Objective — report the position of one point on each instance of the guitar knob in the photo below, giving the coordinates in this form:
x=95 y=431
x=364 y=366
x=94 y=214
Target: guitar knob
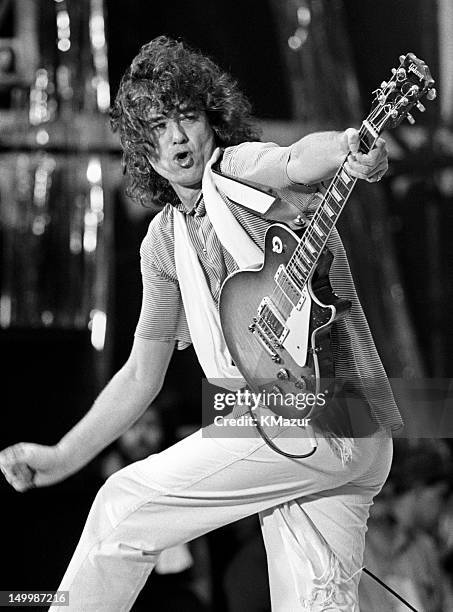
x=432 y=94
x=283 y=374
x=299 y=220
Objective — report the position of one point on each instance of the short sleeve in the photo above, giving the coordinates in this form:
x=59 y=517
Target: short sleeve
x=261 y=162
x=162 y=315
x=266 y=163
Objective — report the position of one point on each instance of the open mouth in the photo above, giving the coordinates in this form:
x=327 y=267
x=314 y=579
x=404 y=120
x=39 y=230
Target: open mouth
x=184 y=159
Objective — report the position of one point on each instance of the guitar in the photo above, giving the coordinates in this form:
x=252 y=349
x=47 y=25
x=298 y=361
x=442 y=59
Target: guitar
x=277 y=320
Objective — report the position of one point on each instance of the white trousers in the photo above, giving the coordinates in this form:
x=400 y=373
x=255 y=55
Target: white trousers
x=314 y=543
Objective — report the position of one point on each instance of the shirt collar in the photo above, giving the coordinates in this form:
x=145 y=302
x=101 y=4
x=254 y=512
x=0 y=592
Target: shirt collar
x=198 y=210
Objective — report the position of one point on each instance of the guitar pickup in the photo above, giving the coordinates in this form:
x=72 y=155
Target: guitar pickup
x=292 y=285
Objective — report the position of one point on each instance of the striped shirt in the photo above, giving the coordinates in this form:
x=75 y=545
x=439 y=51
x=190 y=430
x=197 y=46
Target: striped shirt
x=162 y=315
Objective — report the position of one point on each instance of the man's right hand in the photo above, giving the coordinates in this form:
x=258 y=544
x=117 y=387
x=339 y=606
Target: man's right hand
x=119 y=405
x=27 y=465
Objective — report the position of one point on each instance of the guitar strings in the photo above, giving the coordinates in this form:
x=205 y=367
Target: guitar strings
x=318 y=217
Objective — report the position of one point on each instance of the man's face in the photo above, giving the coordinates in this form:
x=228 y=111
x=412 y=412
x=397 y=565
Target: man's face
x=184 y=142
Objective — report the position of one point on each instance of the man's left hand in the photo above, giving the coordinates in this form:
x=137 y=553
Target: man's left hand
x=368 y=166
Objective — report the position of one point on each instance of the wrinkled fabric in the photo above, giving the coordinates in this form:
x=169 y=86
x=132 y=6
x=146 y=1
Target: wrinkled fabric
x=205 y=482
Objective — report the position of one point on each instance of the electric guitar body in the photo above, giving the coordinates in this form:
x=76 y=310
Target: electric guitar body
x=280 y=339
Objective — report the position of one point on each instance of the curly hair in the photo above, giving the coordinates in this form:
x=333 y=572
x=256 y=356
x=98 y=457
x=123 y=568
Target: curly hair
x=165 y=75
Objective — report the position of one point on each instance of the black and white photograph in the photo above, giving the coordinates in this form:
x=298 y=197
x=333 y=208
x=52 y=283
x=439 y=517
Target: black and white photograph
x=225 y=283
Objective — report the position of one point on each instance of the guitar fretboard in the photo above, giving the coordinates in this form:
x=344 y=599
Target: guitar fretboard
x=306 y=255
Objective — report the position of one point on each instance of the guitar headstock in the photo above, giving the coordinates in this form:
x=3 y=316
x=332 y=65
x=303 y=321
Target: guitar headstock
x=395 y=98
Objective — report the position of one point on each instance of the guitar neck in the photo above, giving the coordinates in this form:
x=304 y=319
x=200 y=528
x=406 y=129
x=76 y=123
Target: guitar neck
x=393 y=101
x=305 y=257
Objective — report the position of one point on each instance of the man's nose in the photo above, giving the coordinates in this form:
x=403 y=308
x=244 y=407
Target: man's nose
x=178 y=134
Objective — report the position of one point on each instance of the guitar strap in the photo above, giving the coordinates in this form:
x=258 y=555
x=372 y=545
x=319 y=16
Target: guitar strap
x=202 y=314
x=229 y=231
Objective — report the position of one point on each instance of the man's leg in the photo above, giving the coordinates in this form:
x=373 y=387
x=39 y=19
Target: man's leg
x=315 y=550
x=194 y=487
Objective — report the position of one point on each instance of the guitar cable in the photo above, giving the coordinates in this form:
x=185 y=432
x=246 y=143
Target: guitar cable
x=271 y=444
x=389 y=589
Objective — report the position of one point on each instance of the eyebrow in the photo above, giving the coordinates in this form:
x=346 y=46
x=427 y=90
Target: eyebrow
x=155 y=118
x=186 y=107
x=179 y=111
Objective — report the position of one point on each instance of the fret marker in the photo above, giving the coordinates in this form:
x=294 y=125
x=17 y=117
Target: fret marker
x=336 y=194
x=303 y=268
x=298 y=266
x=318 y=230
x=345 y=177
x=329 y=210
x=310 y=247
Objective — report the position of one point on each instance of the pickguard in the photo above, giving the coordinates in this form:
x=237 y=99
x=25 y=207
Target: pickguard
x=298 y=326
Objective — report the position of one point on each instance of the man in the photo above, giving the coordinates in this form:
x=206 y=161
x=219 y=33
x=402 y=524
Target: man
x=173 y=108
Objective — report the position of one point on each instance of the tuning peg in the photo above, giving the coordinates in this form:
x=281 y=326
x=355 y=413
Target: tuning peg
x=410 y=118
x=420 y=107
x=402 y=58
x=432 y=94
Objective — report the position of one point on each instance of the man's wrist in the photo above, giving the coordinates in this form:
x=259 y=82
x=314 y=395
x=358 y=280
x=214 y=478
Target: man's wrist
x=69 y=457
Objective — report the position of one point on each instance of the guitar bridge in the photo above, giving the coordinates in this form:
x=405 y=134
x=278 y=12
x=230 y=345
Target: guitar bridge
x=269 y=315
x=266 y=343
